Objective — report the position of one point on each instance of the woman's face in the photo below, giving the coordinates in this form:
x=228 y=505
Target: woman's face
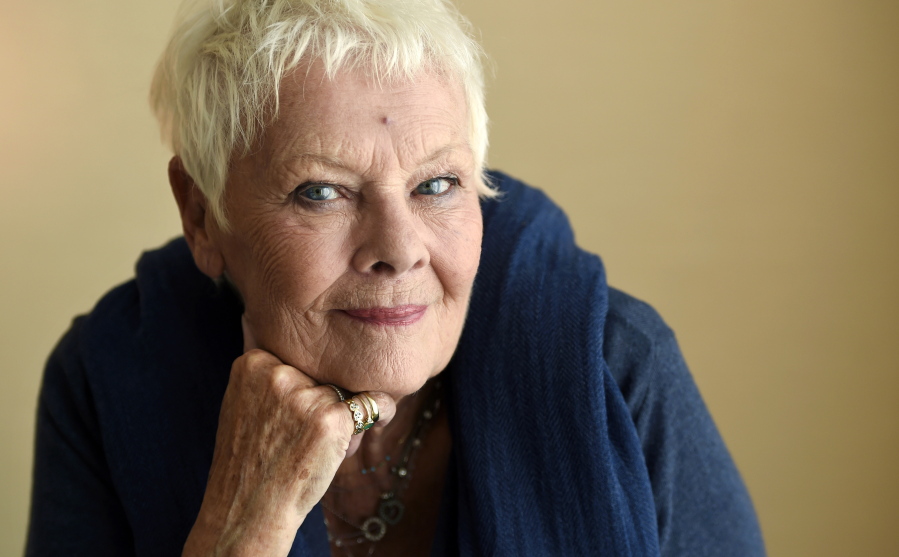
x=356 y=229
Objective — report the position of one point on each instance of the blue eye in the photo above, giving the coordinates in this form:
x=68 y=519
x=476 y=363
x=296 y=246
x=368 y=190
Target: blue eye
x=319 y=192
x=435 y=186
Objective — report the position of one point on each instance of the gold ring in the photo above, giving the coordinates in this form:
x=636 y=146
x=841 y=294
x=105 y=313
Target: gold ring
x=366 y=402
x=359 y=425
x=374 y=414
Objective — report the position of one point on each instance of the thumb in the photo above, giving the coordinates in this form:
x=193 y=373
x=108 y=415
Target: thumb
x=249 y=340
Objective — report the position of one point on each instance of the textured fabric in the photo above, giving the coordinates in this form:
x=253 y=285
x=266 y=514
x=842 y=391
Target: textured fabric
x=577 y=429
x=548 y=459
x=702 y=506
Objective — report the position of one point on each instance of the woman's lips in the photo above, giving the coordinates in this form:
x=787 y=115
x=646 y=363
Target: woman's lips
x=399 y=315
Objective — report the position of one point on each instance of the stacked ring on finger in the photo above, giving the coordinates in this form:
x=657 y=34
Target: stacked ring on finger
x=371 y=409
x=367 y=402
x=356 y=409
x=373 y=412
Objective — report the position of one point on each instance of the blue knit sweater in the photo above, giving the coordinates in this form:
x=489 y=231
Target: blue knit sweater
x=577 y=429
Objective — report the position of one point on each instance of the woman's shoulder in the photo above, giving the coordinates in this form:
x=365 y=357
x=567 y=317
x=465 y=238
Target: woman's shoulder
x=126 y=307
x=133 y=390
x=634 y=320
x=167 y=291
x=687 y=460
x=640 y=349
x=141 y=331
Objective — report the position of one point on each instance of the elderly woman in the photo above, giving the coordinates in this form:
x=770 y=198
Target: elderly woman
x=365 y=344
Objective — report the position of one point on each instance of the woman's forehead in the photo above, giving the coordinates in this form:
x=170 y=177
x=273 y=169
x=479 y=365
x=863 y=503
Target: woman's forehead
x=349 y=118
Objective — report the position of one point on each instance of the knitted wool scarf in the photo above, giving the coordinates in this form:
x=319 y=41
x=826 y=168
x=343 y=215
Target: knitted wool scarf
x=547 y=459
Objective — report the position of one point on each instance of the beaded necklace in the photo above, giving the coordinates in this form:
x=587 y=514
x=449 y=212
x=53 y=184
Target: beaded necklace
x=390 y=506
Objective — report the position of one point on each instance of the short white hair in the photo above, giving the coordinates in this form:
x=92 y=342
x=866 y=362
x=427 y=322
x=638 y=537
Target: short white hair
x=216 y=85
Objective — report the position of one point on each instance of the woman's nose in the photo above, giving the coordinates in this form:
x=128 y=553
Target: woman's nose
x=389 y=239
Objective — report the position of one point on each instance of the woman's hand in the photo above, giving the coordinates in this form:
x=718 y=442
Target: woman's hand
x=281 y=437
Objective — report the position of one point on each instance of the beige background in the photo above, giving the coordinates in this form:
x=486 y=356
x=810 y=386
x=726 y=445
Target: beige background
x=736 y=163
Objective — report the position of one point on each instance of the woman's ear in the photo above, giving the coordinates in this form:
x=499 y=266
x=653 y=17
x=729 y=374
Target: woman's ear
x=198 y=223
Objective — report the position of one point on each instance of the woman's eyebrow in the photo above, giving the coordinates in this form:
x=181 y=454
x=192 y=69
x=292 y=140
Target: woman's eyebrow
x=324 y=160
x=337 y=162
x=442 y=152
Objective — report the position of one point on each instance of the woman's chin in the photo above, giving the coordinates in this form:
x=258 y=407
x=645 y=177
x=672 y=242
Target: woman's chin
x=397 y=386
x=399 y=370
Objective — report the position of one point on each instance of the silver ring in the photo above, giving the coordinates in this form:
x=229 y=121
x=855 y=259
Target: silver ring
x=337 y=390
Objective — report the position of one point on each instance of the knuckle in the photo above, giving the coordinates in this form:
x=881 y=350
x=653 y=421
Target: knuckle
x=255 y=359
x=250 y=364
x=328 y=419
x=281 y=379
x=302 y=403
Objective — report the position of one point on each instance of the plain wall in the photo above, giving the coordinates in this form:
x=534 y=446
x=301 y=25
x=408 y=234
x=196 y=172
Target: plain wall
x=735 y=163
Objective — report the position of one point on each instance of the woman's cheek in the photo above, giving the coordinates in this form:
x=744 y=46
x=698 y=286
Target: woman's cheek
x=463 y=253
x=302 y=258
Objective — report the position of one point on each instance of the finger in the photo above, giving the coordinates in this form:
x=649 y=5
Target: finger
x=355 y=443
x=386 y=407
x=386 y=410
x=385 y=403
x=249 y=340
x=266 y=371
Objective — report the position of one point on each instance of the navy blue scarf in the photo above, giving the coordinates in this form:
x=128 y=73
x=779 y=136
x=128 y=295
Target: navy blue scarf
x=548 y=461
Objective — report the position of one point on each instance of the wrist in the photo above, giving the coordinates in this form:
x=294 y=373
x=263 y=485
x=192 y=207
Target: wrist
x=213 y=534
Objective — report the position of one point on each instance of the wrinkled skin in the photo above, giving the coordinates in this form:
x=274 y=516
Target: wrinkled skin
x=359 y=196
